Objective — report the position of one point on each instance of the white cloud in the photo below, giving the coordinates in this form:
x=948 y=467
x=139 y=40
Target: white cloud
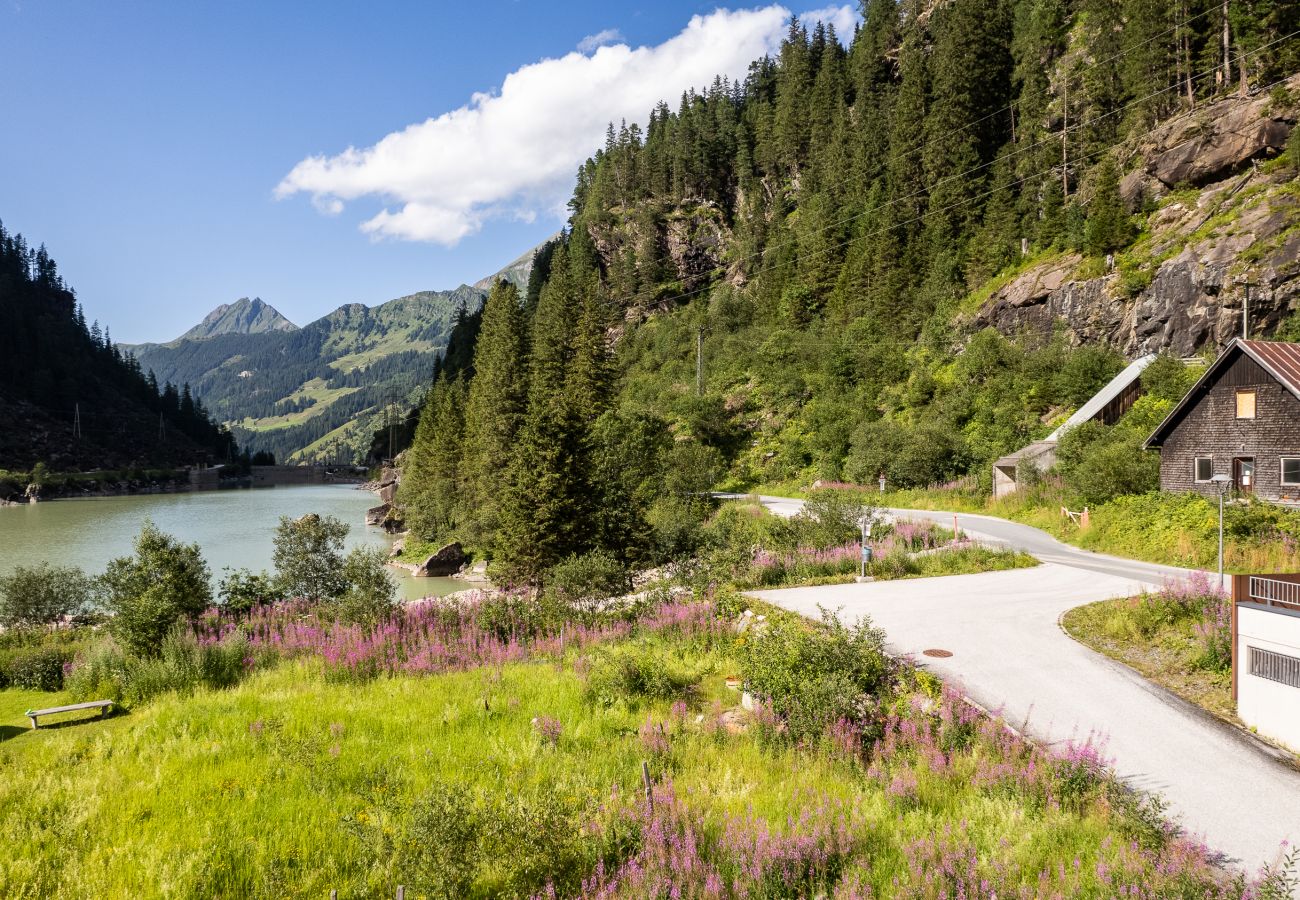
x=844 y=18
x=513 y=153
x=600 y=39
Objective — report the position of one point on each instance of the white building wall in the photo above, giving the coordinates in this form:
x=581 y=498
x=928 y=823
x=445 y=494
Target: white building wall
x=1272 y=708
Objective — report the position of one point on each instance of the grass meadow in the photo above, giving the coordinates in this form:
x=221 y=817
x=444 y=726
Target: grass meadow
x=513 y=767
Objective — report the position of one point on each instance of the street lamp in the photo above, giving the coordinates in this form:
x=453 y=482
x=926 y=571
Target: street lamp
x=1222 y=483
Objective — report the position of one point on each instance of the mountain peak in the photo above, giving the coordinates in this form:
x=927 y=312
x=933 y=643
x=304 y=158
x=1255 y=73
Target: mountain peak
x=244 y=316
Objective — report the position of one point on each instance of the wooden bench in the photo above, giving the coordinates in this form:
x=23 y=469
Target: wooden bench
x=105 y=706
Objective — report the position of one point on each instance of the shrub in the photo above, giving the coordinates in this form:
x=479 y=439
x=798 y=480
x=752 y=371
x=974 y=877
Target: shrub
x=455 y=842
x=583 y=583
x=634 y=672
x=164 y=582
x=184 y=664
x=98 y=674
x=830 y=518
x=309 y=557
x=242 y=590
x=370 y=595
x=36 y=668
x=41 y=594
x=816 y=676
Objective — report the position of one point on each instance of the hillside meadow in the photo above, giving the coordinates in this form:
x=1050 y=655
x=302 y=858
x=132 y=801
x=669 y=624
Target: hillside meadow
x=493 y=749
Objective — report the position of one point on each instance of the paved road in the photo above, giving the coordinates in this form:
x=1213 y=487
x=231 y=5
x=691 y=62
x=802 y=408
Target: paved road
x=1010 y=655
x=1032 y=540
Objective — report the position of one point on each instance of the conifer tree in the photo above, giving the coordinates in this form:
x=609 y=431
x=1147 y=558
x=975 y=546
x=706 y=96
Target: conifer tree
x=547 y=499
x=495 y=407
x=1108 y=226
x=430 y=490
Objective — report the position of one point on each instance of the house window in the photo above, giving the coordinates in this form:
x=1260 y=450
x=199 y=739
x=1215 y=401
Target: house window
x=1291 y=471
x=1204 y=468
x=1245 y=404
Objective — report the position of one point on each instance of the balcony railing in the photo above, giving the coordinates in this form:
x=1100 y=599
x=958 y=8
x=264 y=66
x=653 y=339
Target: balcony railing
x=1274 y=592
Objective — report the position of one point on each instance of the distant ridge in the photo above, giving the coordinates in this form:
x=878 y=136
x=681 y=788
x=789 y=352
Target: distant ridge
x=515 y=272
x=244 y=316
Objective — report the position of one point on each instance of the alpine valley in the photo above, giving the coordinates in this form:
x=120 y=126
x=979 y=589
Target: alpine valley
x=317 y=393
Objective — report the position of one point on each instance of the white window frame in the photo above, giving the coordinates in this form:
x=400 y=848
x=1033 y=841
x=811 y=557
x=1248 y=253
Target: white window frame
x=1254 y=403
x=1281 y=471
x=1196 y=466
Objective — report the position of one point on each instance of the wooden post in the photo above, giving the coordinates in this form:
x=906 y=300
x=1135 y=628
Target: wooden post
x=401 y=892
x=334 y=894
x=645 y=779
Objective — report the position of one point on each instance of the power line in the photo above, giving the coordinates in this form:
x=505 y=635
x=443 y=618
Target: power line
x=722 y=269
x=717 y=270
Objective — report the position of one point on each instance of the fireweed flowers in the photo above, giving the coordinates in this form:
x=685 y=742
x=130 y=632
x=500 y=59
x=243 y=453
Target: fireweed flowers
x=432 y=637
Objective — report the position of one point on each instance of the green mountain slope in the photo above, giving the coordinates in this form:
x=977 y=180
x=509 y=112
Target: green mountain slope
x=316 y=392
x=71 y=399
x=904 y=256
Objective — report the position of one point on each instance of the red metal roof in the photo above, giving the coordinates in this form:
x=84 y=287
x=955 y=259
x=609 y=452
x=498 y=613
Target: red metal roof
x=1280 y=359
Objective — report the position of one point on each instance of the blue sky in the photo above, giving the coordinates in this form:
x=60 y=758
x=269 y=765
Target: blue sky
x=174 y=156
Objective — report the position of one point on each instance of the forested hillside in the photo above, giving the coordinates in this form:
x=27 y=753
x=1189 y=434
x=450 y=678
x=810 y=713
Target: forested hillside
x=907 y=255
x=69 y=397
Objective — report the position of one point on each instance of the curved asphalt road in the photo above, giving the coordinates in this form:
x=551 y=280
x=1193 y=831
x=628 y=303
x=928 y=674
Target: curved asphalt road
x=1011 y=655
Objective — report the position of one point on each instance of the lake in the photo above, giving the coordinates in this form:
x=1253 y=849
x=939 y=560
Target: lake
x=233 y=528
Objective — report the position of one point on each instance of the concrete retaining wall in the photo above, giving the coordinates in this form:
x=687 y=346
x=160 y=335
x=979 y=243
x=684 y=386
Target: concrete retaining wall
x=1269 y=706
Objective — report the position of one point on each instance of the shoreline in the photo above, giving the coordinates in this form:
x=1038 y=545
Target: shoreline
x=82 y=486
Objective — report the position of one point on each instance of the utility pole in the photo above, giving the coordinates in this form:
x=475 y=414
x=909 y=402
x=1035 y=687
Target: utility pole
x=76 y=421
x=162 y=429
x=699 y=361
x=390 y=429
x=1245 y=314
x=1065 y=131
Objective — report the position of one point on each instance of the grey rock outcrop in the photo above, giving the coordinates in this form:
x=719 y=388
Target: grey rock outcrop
x=1180 y=290
x=447 y=560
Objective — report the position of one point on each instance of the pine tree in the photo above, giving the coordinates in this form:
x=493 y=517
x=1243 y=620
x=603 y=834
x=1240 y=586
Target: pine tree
x=546 y=503
x=430 y=489
x=494 y=409
x=1108 y=226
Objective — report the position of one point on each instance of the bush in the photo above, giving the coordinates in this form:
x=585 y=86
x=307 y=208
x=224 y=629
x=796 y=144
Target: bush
x=41 y=594
x=909 y=456
x=36 y=669
x=183 y=665
x=309 y=557
x=512 y=615
x=242 y=590
x=583 y=583
x=815 y=677
x=456 y=842
x=370 y=595
x=165 y=582
x=830 y=518
x=632 y=673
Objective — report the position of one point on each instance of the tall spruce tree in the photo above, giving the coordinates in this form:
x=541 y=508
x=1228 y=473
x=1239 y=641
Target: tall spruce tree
x=494 y=410
x=547 y=500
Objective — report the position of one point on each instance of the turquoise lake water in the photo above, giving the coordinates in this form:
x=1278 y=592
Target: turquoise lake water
x=234 y=528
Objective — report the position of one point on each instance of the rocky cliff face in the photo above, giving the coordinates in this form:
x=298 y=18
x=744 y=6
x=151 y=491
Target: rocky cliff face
x=1223 y=233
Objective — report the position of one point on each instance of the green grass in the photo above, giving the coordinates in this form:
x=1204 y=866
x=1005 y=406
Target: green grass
x=1166 y=652
x=285 y=785
x=1170 y=529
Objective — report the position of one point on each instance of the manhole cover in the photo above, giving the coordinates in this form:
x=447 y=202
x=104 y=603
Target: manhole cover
x=938 y=654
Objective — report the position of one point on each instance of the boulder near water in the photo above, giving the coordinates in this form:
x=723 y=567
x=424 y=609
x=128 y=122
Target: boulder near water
x=446 y=561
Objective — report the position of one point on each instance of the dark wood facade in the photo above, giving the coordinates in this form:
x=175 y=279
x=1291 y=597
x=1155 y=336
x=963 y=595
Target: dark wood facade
x=1210 y=424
